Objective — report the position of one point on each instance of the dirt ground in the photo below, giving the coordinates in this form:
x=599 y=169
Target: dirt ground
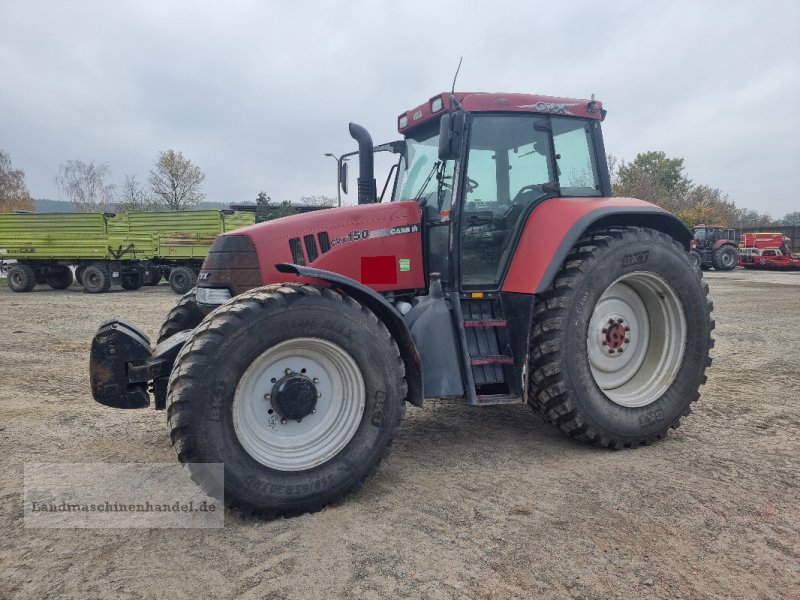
x=472 y=503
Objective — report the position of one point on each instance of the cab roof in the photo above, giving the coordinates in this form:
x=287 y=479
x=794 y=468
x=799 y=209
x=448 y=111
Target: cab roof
x=499 y=102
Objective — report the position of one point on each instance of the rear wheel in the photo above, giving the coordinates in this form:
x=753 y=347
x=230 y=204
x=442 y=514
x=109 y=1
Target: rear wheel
x=298 y=390
x=151 y=276
x=182 y=279
x=696 y=259
x=621 y=341
x=60 y=279
x=21 y=278
x=185 y=315
x=725 y=258
x=96 y=279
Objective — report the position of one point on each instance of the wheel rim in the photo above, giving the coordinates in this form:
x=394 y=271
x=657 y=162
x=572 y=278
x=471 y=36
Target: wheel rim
x=695 y=258
x=291 y=444
x=91 y=279
x=726 y=259
x=636 y=339
x=17 y=279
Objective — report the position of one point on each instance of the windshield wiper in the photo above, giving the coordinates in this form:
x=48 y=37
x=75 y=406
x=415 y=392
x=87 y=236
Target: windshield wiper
x=427 y=180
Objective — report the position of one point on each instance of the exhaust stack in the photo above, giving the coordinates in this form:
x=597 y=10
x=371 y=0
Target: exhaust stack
x=367 y=189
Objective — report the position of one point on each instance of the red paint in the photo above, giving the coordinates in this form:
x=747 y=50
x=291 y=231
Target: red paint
x=379 y=270
x=544 y=231
x=497 y=102
x=271 y=240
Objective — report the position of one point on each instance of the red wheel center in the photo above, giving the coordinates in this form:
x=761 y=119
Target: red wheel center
x=615 y=336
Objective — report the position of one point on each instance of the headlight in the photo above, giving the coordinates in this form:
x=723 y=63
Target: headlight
x=437 y=104
x=213 y=296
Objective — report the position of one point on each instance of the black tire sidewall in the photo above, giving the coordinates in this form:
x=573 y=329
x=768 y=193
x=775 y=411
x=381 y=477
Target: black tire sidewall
x=349 y=328
x=28 y=278
x=666 y=261
x=182 y=279
x=101 y=272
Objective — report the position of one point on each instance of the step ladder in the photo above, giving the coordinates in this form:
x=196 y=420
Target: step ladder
x=491 y=372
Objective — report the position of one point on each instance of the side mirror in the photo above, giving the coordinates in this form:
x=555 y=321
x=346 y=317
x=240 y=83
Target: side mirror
x=343 y=177
x=451 y=130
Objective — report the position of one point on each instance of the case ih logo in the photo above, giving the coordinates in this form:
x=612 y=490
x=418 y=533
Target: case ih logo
x=551 y=107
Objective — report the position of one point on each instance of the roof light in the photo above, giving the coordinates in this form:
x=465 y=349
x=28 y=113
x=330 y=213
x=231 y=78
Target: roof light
x=437 y=104
x=402 y=122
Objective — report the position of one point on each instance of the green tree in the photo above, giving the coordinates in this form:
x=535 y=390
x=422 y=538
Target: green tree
x=651 y=176
x=14 y=193
x=793 y=218
x=84 y=183
x=746 y=217
x=175 y=181
x=267 y=209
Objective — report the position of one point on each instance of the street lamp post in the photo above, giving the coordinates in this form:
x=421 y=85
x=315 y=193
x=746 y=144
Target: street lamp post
x=338 y=174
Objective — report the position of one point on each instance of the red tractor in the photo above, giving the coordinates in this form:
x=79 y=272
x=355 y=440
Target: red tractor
x=500 y=271
x=714 y=246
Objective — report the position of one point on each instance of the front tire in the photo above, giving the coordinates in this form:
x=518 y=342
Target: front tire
x=622 y=339
x=297 y=389
x=185 y=315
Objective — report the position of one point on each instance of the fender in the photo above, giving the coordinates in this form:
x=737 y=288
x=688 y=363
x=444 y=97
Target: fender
x=555 y=225
x=383 y=310
x=720 y=243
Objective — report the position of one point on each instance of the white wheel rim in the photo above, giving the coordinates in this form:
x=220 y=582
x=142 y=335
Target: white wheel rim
x=292 y=445
x=727 y=259
x=636 y=339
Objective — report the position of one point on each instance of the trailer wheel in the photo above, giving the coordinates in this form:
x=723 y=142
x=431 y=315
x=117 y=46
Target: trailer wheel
x=298 y=390
x=96 y=279
x=725 y=258
x=182 y=279
x=151 y=276
x=60 y=279
x=621 y=341
x=185 y=315
x=21 y=278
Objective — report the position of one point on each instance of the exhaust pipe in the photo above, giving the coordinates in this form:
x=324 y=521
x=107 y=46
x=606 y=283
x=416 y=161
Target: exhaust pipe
x=367 y=189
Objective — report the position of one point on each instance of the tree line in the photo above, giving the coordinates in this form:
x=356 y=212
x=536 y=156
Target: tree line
x=662 y=180
x=173 y=183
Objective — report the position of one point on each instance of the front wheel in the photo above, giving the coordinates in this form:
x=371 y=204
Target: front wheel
x=622 y=340
x=297 y=389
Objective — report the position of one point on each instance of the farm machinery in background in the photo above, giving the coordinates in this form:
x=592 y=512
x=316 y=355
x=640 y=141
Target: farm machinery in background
x=104 y=249
x=498 y=270
x=764 y=250
x=714 y=246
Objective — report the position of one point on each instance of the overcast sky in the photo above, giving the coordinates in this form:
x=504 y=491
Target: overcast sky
x=256 y=92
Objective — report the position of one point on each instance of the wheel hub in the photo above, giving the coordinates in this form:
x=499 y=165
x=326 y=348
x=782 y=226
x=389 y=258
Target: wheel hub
x=616 y=335
x=294 y=396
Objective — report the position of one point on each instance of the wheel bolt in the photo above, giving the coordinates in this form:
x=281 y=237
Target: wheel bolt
x=620 y=350
x=316 y=379
x=619 y=320
x=605 y=343
x=319 y=394
x=611 y=321
x=288 y=371
x=627 y=328
x=313 y=411
x=283 y=421
x=611 y=351
x=267 y=396
x=605 y=330
x=627 y=340
x=299 y=420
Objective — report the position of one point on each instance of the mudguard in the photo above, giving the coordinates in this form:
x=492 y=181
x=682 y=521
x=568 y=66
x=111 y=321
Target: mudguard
x=384 y=311
x=555 y=225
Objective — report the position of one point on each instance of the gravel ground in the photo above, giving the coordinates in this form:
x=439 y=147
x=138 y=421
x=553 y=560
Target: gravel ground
x=472 y=503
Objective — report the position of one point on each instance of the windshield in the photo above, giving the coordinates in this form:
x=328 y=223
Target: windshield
x=416 y=175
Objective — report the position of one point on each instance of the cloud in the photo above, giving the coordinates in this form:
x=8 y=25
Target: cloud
x=255 y=93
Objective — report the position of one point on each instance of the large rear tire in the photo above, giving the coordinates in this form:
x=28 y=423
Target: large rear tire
x=182 y=279
x=185 y=315
x=298 y=390
x=725 y=258
x=60 y=279
x=621 y=341
x=21 y=278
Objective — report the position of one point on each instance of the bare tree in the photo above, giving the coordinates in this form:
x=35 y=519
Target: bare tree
x=14 y=193
x=134 y=196
x=176 y=181
x=84 y=183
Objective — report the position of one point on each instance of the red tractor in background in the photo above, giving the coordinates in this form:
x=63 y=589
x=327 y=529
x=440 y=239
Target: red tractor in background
x=714 y=246
x=500 y=271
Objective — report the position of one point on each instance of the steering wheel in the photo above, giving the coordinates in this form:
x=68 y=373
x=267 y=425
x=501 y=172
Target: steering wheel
x=472 y=185
x=535 y=187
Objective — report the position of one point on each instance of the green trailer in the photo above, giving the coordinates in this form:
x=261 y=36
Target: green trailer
x=131 y=249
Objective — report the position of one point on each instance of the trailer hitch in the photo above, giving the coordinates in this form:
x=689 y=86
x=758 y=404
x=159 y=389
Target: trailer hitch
x=122 y=363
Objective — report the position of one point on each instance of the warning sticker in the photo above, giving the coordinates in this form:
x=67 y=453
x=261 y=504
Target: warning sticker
x=405 y=264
